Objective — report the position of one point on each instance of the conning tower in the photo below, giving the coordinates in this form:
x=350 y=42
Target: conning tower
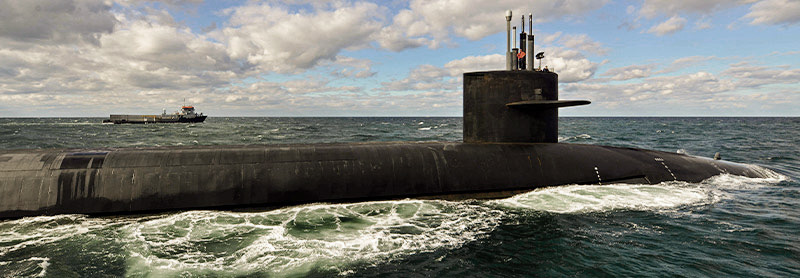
x=516 y=105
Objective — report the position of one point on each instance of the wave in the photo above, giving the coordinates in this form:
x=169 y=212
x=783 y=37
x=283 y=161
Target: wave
x=579 y=137
x=30 y=267
x=298 y=240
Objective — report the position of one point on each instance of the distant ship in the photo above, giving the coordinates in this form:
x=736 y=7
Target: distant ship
x=187 y=114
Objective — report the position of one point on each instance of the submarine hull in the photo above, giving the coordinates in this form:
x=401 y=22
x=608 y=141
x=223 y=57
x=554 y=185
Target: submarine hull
x=109 y=181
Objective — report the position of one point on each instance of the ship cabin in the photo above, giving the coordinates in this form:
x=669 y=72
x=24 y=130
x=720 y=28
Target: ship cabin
x=187 y=110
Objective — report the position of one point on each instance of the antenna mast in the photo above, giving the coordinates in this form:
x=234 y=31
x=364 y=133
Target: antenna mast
x=530 y=48
x=508 y=40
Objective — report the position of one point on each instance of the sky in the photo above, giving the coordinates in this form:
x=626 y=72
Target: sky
x=92 y=58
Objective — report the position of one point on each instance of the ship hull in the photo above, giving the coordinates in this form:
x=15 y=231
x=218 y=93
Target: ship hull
x=152 y=119
x=111 y=181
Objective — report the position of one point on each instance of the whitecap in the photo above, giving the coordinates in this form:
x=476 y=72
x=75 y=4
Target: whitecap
x=666 y=195
x=26 y=267
x=42 y=230
x=295 y=240
x=576 y=137
x=596 y=198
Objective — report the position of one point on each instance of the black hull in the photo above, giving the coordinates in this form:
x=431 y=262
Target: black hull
x=111 y=181
x=198 y=119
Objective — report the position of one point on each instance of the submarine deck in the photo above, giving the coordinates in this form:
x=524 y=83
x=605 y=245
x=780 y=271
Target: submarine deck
x=111 y=180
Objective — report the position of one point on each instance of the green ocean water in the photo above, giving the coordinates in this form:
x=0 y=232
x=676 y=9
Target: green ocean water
x=725 y=226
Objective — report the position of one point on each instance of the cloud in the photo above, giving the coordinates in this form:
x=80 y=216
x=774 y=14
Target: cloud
x=303 y=97
x=476 y=63
x=702 y=24
x=630 y=72
x=672 y=25
x=275 y=39
x=654 y=8
x=55 y=22
x=140 y=48
x=422 y=77
x=87 y=56
x=145 y=59
x=139 y=57
x=567 y=61
x=761 y=12
x=653 y=91
x=748 y=75
x=352 y=67
x=743 y=88
x=686 y=62
x=434 y=23
x=774 y=12
x=448 y=77
x=584 y=43
x=167 y=2
x=570 y=65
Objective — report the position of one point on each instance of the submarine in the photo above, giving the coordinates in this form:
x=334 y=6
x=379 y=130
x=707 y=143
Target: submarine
x=510 y=146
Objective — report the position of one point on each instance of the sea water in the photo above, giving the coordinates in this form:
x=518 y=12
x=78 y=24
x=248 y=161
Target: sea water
x=725 y=226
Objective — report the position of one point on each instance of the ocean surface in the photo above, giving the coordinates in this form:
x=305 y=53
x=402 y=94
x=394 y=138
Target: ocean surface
x=726 y=226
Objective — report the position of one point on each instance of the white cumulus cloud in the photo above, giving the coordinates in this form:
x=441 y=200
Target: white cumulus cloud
x=670 y=26
x=275 y=39
x=776 y=12
x=434 y=22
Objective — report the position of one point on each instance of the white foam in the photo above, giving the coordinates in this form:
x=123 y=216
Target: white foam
x=595 y=198
x=25 y=267
x=583 y=136
x=292 y=241
x=43 y=264
x=42 y=230
x=667 y=195
x=727 y=181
